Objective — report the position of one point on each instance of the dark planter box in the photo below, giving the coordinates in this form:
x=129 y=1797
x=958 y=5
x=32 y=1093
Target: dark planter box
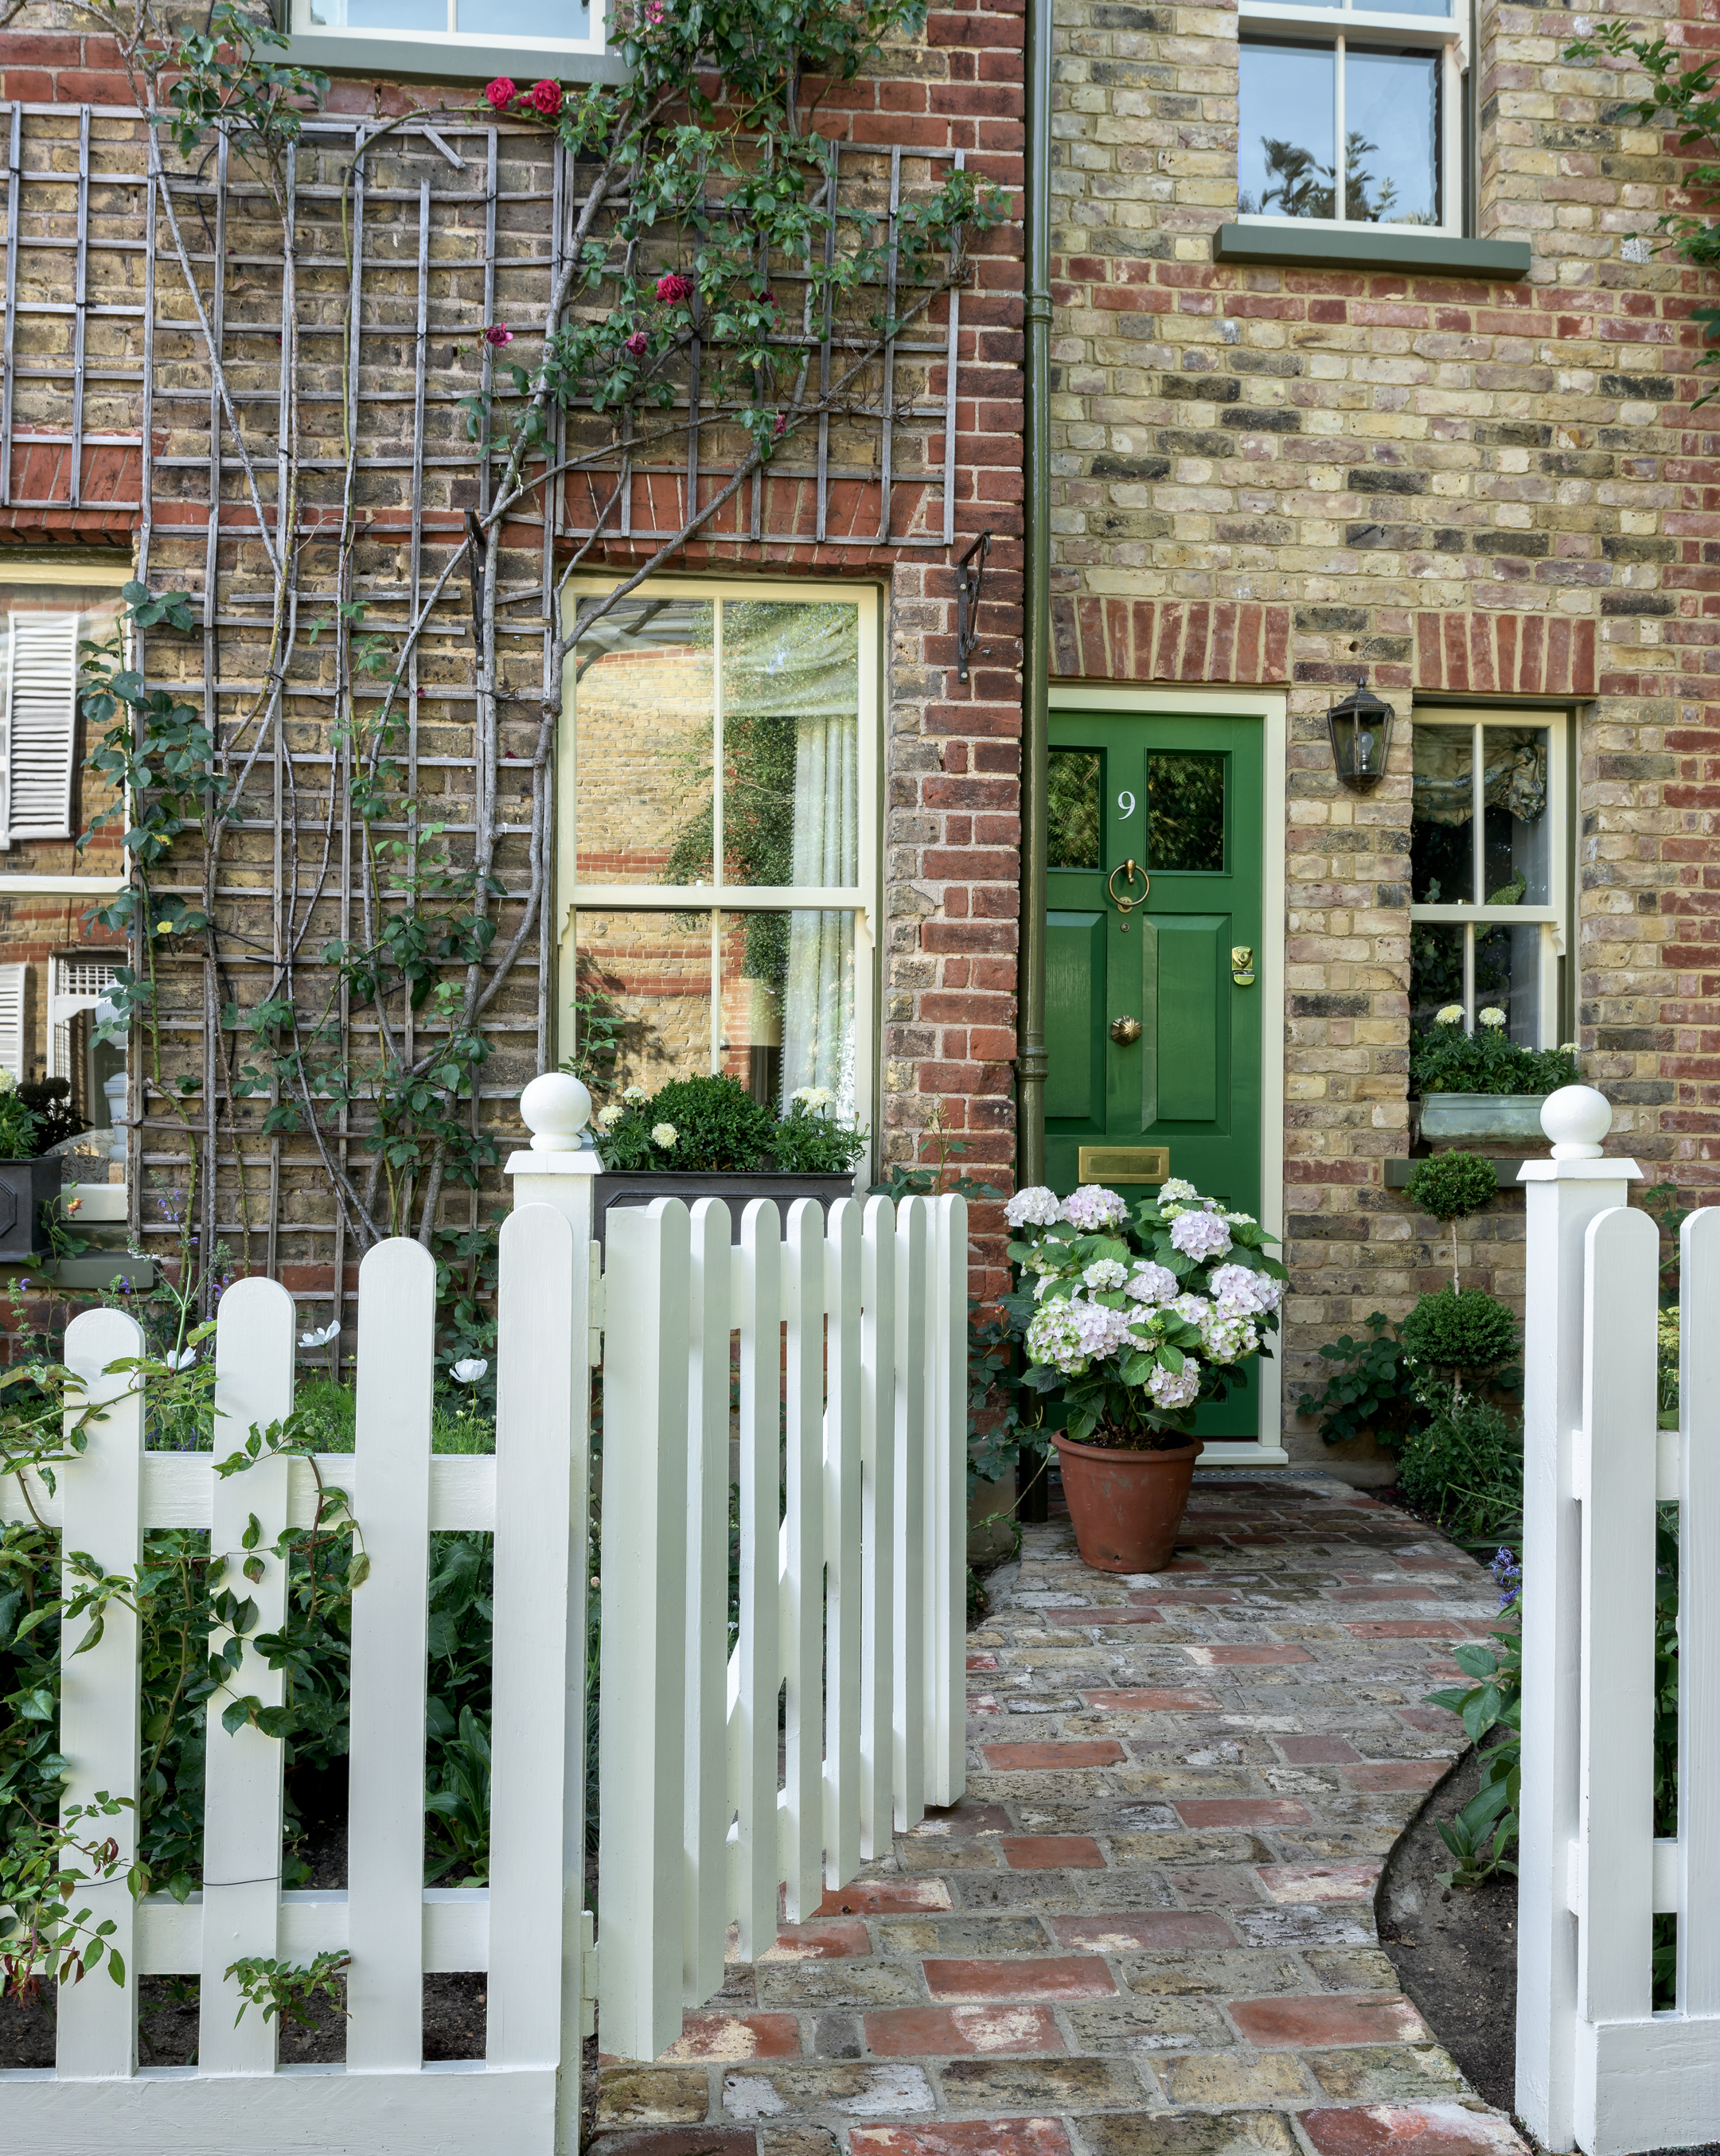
x=26 y=1186
x=639 y=1186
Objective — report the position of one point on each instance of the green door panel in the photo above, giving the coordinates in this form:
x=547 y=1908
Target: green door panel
x=1181 y=795
x=1075 y=1015
x=1191 y=1043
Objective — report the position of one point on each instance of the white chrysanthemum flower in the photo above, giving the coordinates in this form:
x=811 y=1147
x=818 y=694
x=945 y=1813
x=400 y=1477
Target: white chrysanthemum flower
x=1452 y=1014
x=633 y=1094
x=1175 y=1389
x=664 y=1135
x=1492 y=1017
x=1151 y=1283
x=608 y=1117
x=1092 y=1208
x=1104 y=1273
x=1035 y=1207
x=1199 y=1235
x=814 y=1099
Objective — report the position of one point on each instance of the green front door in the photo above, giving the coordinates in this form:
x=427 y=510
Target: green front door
x=1152 y=931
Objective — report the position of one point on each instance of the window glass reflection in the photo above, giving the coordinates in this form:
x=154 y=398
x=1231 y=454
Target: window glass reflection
x=1436 y=970
x=1516 y=826
x=1185 y=810
x=1442 y=817
x=1391 y=133
x=1072 y=808
x=1284 y=157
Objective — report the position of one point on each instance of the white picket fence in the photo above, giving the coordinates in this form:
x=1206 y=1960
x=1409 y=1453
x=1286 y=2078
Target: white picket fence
x=1598 y=2068
x=854 y=1603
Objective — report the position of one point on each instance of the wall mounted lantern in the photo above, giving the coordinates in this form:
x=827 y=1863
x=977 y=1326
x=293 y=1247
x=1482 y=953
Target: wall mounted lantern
x=1361 y=730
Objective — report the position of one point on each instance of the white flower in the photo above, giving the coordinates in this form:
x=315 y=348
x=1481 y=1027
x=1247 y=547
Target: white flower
x=8 y=1081
x=1103 y=1274
x=633 y=1094
x=814 y=1099
x=468 y=1372
x=182 y=1361
x=319 y=1336
x=1241 y=1292
x=1228 y=1339
x=1240 y=1220
x=1151 y=1283
x=1493 y=1016
x=1177 y=1191
x=1193 y=1309
x=1568 y=1047
x=1452 y=1014
x=1072 y=1335
x=608 y=1117
x=1199 y=1235
x=1175 y=1389
x=1092 y=1208
x=664 y=1135
x=1035 y=1207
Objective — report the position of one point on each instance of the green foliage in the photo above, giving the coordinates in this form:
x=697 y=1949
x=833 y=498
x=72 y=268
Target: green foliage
x=287 y=1988
x=49 y=1099
x=720 y=1129
x=1465 y=1467
x=805 y=1143
x=1466 y=1331
x=1491 y=1706
x=1445 y=1058
x=601 y=1030
x=1370 y=1391
x=1450 y=1186
x=19 y=1131
x=44 y=1871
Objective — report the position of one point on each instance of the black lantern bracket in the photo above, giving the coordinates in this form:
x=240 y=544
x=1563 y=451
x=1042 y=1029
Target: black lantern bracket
x=968 y=583
x=1360 y=732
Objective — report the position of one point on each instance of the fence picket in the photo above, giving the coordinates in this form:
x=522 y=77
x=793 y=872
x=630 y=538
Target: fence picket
x=707 y=1808
x=946 y=1506
x=1699 y=1613
x=385 y=1831
x=1615 y=1886
x=842 y=1544
x=642 y=1863
x=758 y=1665
x=100 y=1712
x=877 y=1421
x=802 y=1842
x=908 y=1709
x=537 y=1731
x=242 y=1773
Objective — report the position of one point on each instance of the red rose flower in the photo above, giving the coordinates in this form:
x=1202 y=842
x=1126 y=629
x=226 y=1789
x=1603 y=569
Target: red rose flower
x=500 y=93
x=636 y=344
x=498 y=333
x=674 y=288
x=545 y=97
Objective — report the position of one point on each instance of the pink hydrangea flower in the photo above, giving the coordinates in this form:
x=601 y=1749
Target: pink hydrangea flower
x=545 y=97
x=636 y=345
x=1035 y=1207
x=1175 y=1389
x=498 y=334
x=674 y=288
x=1092 y=1208
x=1151 y=1283
x=1199 y=1235
x=1241 y=1292
x=501 y=93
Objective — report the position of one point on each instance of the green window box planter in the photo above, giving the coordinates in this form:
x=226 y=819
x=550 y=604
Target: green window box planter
x=1455 y=1116
x=639 y=1186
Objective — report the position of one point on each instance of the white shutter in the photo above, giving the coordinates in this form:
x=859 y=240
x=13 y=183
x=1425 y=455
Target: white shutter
x=42 y=714
x=14 y=982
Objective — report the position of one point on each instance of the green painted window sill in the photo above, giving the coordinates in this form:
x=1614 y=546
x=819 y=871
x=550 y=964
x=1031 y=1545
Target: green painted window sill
x=1304 y=245
x=400 y=59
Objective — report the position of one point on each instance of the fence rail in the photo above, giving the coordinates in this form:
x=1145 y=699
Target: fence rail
x=759 y=1737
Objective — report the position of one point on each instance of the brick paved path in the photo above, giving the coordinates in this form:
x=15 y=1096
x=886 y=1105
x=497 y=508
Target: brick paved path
x=1148 y=1930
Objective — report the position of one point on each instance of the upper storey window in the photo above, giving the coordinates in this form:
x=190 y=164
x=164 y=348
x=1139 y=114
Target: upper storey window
x=1352 y=115
x=554 y=27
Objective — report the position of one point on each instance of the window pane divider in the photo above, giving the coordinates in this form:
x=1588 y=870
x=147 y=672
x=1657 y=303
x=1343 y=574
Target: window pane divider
x=1494 y=916
x=729 y=898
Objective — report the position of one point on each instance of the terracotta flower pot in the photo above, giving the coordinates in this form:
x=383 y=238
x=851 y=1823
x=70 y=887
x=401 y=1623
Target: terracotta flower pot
x=1127 y=1506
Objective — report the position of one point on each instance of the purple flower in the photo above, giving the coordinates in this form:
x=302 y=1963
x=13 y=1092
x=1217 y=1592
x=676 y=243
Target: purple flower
x=498 y=334
x=1508 y=1574
x=1199 y=1235
x=636 y=344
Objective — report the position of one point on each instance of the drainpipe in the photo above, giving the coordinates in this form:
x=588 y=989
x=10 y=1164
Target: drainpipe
x=1031 y=1057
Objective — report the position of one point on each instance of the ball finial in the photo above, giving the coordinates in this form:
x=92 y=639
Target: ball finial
x=555 y=1108
x=1576 y=1118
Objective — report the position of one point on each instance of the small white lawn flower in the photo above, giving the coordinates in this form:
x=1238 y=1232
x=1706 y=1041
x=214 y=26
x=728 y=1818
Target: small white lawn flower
x=469 y=1370
x=664 y=1135
x=1452 y=1014
x=1035 y=1207
x=1104 y=1273
x=633 y=1094
x=320 y=1335
x=1493 y=1016
x=608 y=1117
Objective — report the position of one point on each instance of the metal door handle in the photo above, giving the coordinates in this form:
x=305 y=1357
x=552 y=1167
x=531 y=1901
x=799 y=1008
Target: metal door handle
x=1126 y=1031
x=1128 y=870
x=1242 y=964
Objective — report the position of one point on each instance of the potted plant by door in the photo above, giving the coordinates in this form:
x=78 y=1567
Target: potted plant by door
x=1129 y=1318
x=29 y=1174
x=1483 y=1085
x=709 y=1137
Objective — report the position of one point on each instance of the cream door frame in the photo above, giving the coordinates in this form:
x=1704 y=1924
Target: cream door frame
x=1271 y=707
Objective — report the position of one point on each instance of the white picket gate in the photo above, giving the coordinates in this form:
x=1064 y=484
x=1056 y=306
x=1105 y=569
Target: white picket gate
x=1598 y=2068
x=852 y=1601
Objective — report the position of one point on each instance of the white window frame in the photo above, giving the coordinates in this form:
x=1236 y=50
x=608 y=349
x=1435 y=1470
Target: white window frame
x=452 y=40
x=75 y=984
x=1334 y=27
x=720 y=896
x=1553 y=919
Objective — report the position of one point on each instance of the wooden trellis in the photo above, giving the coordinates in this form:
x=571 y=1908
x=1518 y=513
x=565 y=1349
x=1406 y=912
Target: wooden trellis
x=108 y=400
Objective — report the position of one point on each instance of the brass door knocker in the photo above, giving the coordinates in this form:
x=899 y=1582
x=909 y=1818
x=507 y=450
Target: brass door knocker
x=1128 y=870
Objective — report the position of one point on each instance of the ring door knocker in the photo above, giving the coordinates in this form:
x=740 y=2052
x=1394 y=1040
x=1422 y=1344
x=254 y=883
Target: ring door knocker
x=1125 y=905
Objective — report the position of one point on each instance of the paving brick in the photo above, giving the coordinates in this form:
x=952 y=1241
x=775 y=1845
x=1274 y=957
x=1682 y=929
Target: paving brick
x=1395 y=1774
x=938 y=2032
x=1228 y=2077
x=1243 y=1811
x=1142 y=1928
x=1243 y=1657
x=1420 y=2129
x=1293 y=2023
x=730 y=2036
x=1136 y=1615
x=988 y=2137
x=1314 y=1751
x=1148 y=1699
x=1047 y=1852
x=817 y=1941
x=868 y=1897
x=1320 y=1882
x=1035 y=1757
x=1080 y=1978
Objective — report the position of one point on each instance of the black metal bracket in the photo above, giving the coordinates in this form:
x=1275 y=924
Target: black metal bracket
x=968 y=583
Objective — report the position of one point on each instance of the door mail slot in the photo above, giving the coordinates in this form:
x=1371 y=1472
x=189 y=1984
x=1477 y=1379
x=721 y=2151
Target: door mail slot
x=1123 y=1164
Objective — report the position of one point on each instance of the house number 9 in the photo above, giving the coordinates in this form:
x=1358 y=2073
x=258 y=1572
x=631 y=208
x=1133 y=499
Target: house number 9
x=1125 y=805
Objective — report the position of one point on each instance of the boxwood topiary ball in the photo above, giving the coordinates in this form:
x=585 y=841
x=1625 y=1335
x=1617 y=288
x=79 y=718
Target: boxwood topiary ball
x=1468 y=1331
x=1452 y=1185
